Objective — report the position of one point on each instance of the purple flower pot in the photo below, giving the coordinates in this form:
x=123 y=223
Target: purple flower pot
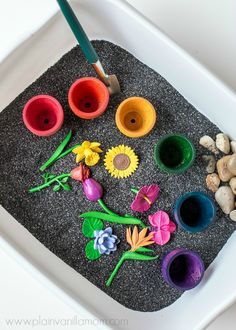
x=182 y=269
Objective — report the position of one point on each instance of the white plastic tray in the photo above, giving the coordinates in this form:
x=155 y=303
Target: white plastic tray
x=121 y=24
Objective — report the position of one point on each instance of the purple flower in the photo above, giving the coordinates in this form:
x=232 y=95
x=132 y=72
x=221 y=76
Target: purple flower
x=104 y=241
x=92 y=189
x=145 y=197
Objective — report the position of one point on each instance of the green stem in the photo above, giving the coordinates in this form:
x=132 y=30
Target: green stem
x=47 y=184
x=113 y=218
x=105 y=208
x=115 y=271
x=68 y=151
x=57 y=152
x=134 y=190
x=129 y=255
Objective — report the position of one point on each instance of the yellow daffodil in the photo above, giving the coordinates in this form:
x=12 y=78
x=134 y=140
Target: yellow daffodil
x=88 y=151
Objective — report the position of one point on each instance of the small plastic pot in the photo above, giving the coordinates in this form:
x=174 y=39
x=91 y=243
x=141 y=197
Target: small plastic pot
x=135 y=117
x=88 y=98
x=43 y=115
x=182 y=269
x=174 y=153
x=194 y=211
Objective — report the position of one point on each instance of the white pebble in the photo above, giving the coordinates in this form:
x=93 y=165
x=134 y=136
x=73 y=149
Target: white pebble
x=225 y=198
x=208 y=143
x=222 y=143
x=232 y=184
x=233 y=146
x=231 y=164
x=213 y=182
x=222 y=169
x=232 y=215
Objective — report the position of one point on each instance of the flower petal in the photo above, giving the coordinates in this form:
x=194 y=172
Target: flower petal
x=159 y=219
x=171 y=227
x=94 y=146
x=152 y=192
x=128 y=236
x=147 y=243
x=78 y=150
x=161 y=237
x=97 y=149
x=140 y=204
x=142 y=233
x=135 y=236
x=86 y=144
x=92 y=159
x=79 y=157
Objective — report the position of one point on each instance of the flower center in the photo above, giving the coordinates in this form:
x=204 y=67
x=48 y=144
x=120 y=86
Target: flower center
x=121 y=162
x=147 y=199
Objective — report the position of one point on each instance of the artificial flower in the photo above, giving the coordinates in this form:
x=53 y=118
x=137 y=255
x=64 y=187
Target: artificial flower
x=137 y=240
x=162 y=227
x=121 y=161
x=105 y=242
x=80 y=173
x=92 y=189
x=145 y=197
x=88 y=151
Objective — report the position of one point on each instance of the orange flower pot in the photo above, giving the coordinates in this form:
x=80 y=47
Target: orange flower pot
x=88 y=98
x=135 y=117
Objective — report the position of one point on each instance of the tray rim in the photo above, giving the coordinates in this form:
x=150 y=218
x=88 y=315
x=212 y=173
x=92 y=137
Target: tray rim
x=14 y=246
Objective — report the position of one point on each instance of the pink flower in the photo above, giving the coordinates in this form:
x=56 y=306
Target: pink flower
x=162 y=227
x=80 y=173
x=145 y=197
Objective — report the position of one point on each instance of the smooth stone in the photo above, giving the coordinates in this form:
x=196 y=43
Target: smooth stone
x=232 y=184
x=225 y=198
x=213 y=182
x=232 y=164
x=208 y=143
x=211 y=163
x=222 y=143
x=233 y=146
x=222 y=169
x=232 y=215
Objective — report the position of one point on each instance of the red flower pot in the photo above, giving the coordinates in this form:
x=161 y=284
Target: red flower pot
x=43 y=115
x=88 y=98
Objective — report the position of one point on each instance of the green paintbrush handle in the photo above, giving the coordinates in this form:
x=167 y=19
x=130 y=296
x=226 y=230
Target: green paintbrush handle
x=78 y=31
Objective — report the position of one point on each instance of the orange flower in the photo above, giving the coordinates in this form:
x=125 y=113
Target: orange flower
x=136 y=239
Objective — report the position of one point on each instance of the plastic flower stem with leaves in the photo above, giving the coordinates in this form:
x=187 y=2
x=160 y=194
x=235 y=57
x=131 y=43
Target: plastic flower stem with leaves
x=58 y=153
x=50 y=179
x=137 y=241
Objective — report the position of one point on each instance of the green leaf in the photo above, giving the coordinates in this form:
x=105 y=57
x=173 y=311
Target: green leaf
x=91 y=253
x=91 y=224
x=137 y=256
x=113 y=218
x=64 y=180
x=144 y=249
x=56 y=188
x=66 y=187
x=57 y=152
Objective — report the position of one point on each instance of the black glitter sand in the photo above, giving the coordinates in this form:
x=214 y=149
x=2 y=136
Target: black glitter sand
x=53 y=217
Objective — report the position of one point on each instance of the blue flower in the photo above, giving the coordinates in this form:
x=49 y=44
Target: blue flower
x=104 y=241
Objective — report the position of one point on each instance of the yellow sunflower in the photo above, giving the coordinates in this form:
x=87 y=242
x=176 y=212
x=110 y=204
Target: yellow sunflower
x=121 y=161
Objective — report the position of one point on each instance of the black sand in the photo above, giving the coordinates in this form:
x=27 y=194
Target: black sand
x=53 y=217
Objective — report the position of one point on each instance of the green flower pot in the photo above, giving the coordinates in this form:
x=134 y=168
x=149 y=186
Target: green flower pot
x=174 y=153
